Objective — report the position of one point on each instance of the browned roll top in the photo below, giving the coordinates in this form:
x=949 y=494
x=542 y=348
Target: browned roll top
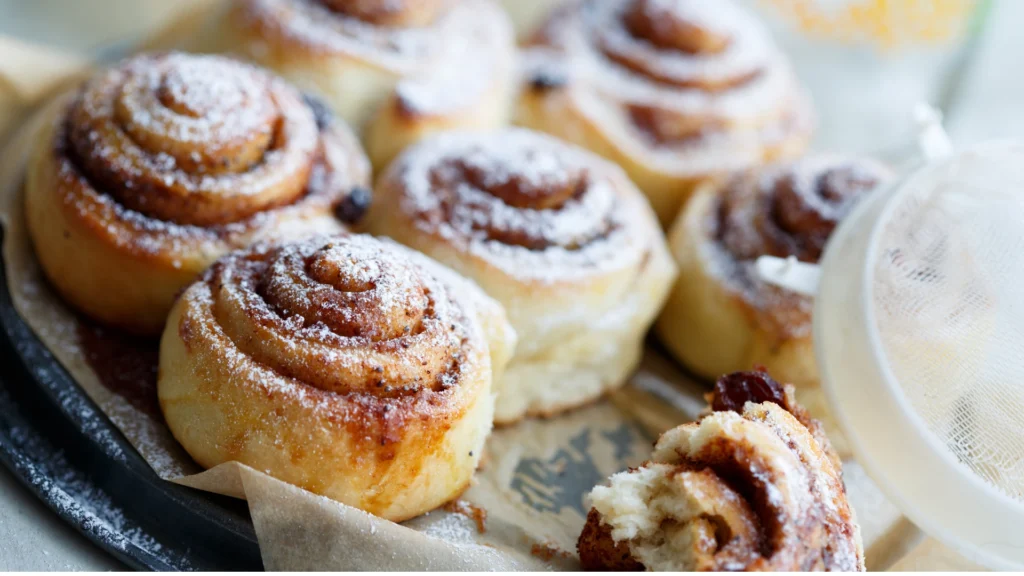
x=521 y=200
x=529 y=195
x=650 y=37
x=791 y=210
x=342 y=314
x=202 y=141
x=684 y=70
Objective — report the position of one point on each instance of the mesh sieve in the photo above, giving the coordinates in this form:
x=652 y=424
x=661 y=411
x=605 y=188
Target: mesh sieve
x=948 y=286
x=919 y=336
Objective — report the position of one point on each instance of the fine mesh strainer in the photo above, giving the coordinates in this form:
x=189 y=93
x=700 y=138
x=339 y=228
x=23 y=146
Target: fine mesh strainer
x=919 y=335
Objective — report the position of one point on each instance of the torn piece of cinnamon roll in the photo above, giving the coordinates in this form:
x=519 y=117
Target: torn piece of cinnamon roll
x=752 y=485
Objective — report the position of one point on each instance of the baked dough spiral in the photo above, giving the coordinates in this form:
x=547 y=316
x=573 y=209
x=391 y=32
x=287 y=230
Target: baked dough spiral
x=160 y=165
x=754 y=485
x=396 y=69
x=349 y=366
x=677 y=92
x=558 y=236
x=720 y=316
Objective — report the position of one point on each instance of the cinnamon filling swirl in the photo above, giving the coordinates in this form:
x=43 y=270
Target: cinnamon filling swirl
x=193 y=140
x=683 y=44
x=346 y=365
x=520 y=191
x=528 y=198
x=792 y=210
x=202 y=143
x=682 y=70
x=344 y=315
x=754 y=487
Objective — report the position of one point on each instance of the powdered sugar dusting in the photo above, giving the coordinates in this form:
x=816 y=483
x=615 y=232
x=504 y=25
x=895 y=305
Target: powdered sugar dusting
x=443 y=56
x=705 y=112
x=843 y=546
x=783 y=210
x=176 y=156
x=474 y=53
x=381 y=323
x=751 y=71
x=90 y=509
x=179 y=154
x=531 y=205
x=761 y=472
x=312 y=24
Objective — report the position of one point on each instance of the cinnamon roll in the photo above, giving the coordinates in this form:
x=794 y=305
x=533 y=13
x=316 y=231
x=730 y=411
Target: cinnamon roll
x=677 y=92
x=352 y=367
x=160 y=165
x=558 y=236
x=720 y=316
x=397 y=69
x=753 y=485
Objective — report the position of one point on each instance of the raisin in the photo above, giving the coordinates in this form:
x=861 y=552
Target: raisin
x=321 y=113
x=353 y=207
x=734 y=390
x=547 y=80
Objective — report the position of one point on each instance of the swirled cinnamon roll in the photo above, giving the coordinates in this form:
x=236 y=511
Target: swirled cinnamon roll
x=720 y=316
x=160 y=165
x=557 y=235
x=352 y=367
x=396 y=69
x=753 y=485
x=677 y=92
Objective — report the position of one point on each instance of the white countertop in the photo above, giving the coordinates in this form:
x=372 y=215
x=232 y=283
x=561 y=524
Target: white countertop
x=33 y=538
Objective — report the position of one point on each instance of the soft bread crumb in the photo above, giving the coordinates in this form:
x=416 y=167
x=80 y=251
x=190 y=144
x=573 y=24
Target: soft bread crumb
x=672 y=517
x=755 y=486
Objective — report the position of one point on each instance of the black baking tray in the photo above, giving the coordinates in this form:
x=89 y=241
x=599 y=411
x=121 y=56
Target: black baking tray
x=66 y=451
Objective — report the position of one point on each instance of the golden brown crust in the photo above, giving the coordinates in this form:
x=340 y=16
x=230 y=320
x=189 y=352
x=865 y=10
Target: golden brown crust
x=679 y=94
x=340 y=364
x=158 y=166
x=748 y=488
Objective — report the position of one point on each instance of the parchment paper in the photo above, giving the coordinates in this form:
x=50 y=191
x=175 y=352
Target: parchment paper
x=531 y=487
